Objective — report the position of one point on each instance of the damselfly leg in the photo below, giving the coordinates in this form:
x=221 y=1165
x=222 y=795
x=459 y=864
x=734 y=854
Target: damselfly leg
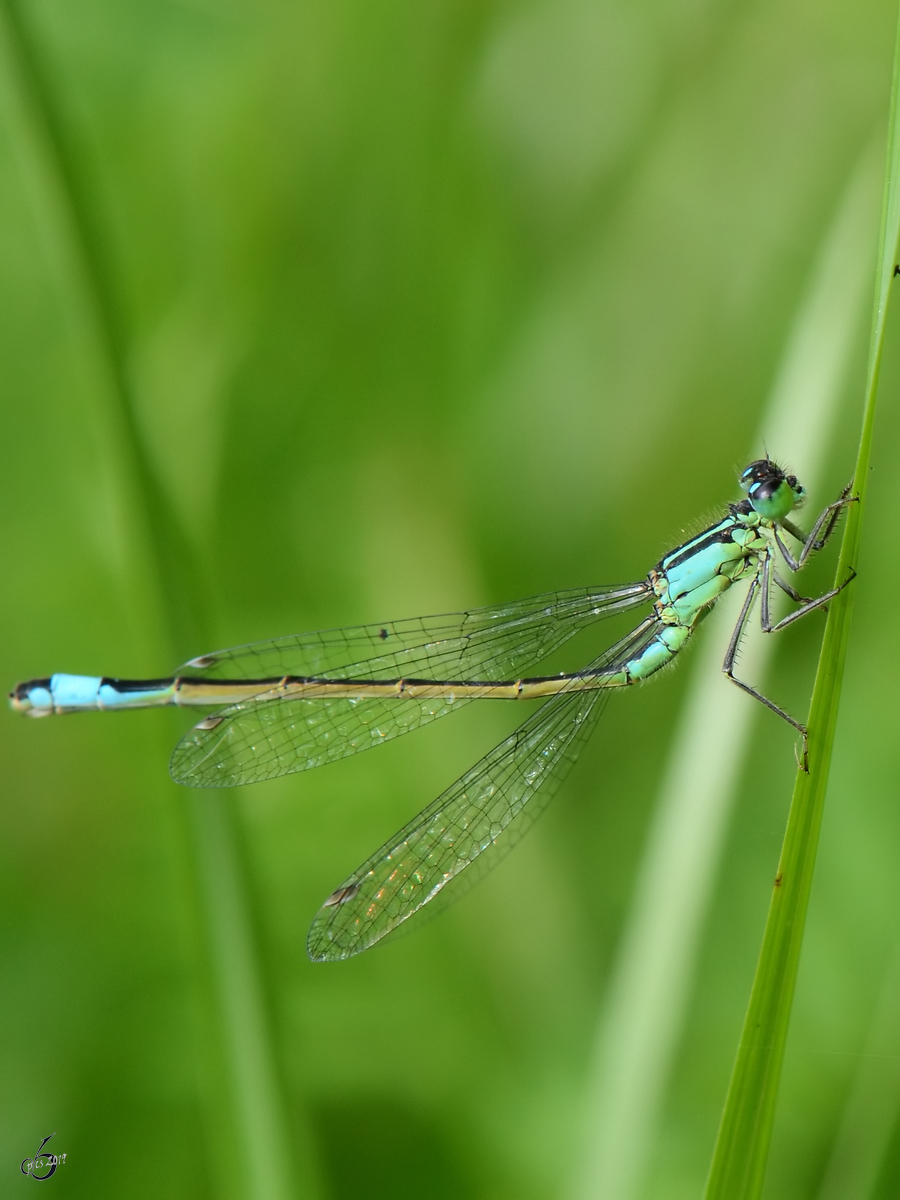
x=762 y=582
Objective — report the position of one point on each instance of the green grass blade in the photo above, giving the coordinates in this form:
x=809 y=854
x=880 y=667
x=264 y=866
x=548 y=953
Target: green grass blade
x=649 y=993
x=739 y=1160
x=252 y=1124
x=175 y=576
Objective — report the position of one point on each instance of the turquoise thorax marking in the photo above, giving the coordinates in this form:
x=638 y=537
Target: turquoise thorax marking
x=692 y=577
x=687 y=583
x=689 y=580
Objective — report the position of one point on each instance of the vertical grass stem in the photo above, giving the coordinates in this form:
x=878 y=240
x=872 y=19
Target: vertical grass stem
x=739 y=1160
x=641 y=1027
x=252 y=1123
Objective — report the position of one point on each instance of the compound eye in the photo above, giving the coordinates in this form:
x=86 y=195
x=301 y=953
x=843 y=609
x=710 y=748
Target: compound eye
x=763 y=491
x=792 y=481
x=755 y=473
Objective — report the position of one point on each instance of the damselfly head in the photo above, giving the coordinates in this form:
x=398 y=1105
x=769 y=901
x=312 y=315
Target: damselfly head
x=772 y=493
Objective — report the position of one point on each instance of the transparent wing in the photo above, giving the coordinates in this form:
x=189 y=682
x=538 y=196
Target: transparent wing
x=262 y=739
x=479 y=643
x=269 y=736
x=510 y=786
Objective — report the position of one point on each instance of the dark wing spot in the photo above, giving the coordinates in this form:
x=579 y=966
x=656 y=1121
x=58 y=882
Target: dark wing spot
x=205 y=660
x=342 y=895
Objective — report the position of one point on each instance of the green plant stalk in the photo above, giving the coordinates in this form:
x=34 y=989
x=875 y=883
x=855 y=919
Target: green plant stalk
x=252 y=1125
x=739 y=1160
x=174 y=574
x=656 y=963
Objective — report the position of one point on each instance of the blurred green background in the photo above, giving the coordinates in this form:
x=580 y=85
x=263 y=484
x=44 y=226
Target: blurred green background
x=421 y=306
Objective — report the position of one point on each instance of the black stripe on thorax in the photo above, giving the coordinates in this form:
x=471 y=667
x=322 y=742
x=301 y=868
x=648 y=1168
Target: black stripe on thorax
x=723 y=531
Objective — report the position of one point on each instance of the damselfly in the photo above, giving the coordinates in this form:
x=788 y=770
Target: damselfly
x=297 y=702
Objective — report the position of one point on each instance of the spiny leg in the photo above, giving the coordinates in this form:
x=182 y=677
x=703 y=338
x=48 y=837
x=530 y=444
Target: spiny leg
x=731 y=654
x=828 y=518
x=790 y=591
x=842 y=501
x=807 y=606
